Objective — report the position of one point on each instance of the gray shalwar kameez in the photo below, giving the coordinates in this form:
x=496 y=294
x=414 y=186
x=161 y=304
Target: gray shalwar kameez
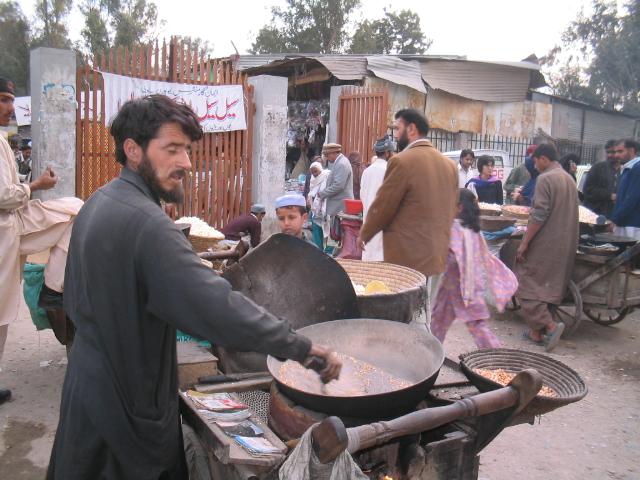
x=546 y=270
x=132 y=278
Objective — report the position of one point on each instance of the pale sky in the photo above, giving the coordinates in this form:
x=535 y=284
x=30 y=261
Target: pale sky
x=498 y=30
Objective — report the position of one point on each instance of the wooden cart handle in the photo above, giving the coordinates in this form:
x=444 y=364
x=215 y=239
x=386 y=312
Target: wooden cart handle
x=330 y=437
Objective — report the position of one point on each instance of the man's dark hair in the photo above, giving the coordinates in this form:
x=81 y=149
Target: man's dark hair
x=141 y=119
x=610 y=144
x=546 y=150
x=25 y=148
x=566 y=160
x=467 y=151
x=415 y=116
x=484 y=160
x=630 y=143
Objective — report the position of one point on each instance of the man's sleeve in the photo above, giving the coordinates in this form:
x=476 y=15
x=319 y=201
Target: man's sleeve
x=256 y=231
x=383 y=209
x=631 y=203
x=541 y=208
x=12 y=195
x=194 y=299
x=340 y=178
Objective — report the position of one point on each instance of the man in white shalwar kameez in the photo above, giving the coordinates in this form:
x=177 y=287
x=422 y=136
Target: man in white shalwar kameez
x=371 y=180
x=27 y=227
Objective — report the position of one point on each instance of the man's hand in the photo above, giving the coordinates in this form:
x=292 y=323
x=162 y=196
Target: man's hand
x=46 y=181
x=360 y=242
x=332 y=372
x=613 y=197
x=522 y=249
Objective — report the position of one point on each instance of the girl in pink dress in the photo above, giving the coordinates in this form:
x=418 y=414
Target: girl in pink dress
x=462 y=288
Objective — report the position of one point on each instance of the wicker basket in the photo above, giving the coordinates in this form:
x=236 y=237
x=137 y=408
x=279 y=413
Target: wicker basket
x=408 y=294
x=564 y=381
x=512 y=214
x=489 y=213
x=495 y=224
x=203 y=244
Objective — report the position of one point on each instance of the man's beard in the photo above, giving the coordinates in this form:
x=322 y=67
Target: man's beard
x=149 y=175
x=403 y=141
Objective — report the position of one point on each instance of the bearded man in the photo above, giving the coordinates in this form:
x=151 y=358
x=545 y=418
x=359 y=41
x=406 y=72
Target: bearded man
x=133 y=278
x=417 y=201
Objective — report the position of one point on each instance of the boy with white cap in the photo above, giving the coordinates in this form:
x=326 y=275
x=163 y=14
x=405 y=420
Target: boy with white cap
x=291 y=211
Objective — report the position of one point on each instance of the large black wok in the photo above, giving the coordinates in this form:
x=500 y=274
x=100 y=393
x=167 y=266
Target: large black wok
x=407 y=352
x=291 y=279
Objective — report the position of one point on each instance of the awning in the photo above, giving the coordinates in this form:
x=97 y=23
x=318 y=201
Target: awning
x=489 y=82
x=396 y=70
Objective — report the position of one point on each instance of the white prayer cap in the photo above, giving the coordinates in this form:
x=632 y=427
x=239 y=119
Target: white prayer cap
x=290 y=200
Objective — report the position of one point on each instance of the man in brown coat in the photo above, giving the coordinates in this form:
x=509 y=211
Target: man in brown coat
x=417 y=202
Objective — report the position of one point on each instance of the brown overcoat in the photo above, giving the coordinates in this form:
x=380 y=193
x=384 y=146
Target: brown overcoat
x=415 y=207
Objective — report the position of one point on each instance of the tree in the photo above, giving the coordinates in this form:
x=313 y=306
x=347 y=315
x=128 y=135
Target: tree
x=600 y=62
x=118 y=23
x=397 y=32
x=14 y=46
x=52 y=14
x=306 y=26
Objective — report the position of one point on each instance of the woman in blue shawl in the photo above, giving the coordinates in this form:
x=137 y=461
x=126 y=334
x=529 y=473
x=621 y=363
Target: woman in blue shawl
x=486 y=186
x=526 y=195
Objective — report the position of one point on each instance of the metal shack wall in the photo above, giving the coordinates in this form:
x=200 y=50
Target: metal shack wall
x=567 y=121
x=400 y=96
x=516 y=119
x=600 y=126
x=453 y=113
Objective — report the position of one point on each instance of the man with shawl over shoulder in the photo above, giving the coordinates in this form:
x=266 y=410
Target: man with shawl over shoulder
x=547 y=253
x=27 y=227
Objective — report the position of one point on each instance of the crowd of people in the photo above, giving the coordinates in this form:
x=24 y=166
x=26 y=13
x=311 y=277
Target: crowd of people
x=119 y=413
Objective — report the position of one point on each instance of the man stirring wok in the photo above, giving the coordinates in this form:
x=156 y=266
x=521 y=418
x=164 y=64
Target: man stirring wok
x=132 y=278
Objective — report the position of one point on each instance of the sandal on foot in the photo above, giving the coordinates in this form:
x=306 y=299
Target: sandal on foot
x=553 y=338
x=528 y=338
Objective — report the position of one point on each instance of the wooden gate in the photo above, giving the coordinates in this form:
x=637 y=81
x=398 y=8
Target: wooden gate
x=220 y=187
x=362 y=118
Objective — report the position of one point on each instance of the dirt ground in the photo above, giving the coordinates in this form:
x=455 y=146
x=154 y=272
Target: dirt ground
x=597 y=438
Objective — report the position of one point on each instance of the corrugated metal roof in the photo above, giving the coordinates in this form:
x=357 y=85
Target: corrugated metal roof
x=345 y=67
x=252 y=61
x=396 y=70
x=489 y=82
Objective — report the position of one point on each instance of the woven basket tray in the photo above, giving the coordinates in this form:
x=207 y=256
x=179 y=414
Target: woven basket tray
x=408 y=289
x=489 y=213
x=509 y=213
x=495 y=224
x=203 y=244
x=563 y=380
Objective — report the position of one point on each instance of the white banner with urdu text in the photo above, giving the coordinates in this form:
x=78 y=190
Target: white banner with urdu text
x=220 y=108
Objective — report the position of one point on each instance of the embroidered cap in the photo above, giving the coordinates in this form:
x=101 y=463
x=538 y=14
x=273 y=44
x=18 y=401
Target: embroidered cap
x=290 y=201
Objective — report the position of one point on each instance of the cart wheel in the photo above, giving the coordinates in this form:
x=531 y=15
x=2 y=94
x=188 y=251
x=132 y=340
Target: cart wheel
x=606 y=316
x=513 y=305
x=570 y=311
